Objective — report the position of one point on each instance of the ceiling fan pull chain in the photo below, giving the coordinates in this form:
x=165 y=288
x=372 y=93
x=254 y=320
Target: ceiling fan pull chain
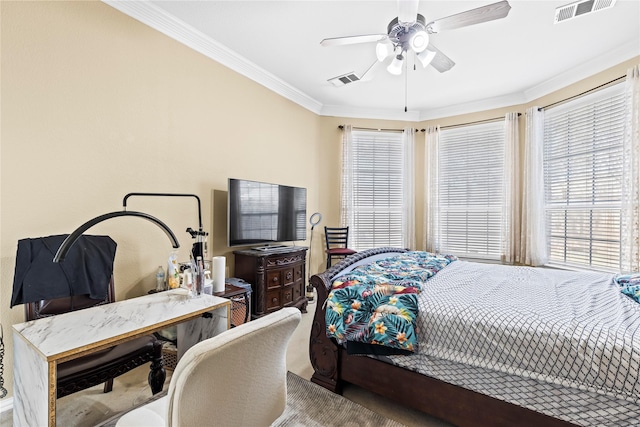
x=406 y=85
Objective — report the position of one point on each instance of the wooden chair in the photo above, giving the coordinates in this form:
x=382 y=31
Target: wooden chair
x=337 y=240
x=103 y=366
x=237 y=378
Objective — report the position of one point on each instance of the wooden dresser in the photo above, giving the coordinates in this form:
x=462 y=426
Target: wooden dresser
x=276 y=277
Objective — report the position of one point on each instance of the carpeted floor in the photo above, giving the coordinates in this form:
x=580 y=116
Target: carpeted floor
x=307 y=405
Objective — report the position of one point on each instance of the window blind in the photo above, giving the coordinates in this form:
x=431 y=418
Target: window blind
x=377 y=180
x=471 y=190
x=583 y=180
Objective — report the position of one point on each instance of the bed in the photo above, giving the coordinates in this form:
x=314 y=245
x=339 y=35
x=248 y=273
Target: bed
x=499 y=346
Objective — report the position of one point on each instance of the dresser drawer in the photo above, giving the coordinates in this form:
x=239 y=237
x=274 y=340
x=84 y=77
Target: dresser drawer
x=287 y=276
x=297 y=291
x=273 y=279
x=298 y=273
x=287 y=295
x=285 y=260
x=273 y=300
x=278 y=298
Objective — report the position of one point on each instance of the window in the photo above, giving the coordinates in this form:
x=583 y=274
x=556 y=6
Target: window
x=374 y=186
x=583 y=180
x=471 y=190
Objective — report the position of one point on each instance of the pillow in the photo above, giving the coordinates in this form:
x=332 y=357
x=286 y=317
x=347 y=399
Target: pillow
x=632 y=292
x=629 y=285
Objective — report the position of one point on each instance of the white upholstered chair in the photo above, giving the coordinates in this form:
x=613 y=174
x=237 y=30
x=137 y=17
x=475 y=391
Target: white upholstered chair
x=237 y=378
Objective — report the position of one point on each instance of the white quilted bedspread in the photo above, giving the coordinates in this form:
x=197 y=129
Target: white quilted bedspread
x=566 y=328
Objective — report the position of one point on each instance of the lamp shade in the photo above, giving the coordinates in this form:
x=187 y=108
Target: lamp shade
x=426 y=57
x=395 y=67
x=383 y=50
x=419 y=41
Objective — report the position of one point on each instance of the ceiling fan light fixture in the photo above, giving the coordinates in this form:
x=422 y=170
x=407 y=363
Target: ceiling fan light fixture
x=383 y=50
x=426 y=57
x=395 y=67
x=419 y=41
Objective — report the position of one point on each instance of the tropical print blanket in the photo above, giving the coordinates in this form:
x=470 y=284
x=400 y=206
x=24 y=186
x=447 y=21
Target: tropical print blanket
x=629 y=285
x=377 y=303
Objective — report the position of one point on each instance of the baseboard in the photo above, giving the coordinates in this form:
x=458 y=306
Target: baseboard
x=6 y=405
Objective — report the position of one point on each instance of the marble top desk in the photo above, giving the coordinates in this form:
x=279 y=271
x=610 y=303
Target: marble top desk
x=39 y=345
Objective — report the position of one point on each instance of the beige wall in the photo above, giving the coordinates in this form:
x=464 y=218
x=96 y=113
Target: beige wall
x=96 y=105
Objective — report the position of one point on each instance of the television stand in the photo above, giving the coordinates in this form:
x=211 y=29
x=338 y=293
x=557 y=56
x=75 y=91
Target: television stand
x=277 y=278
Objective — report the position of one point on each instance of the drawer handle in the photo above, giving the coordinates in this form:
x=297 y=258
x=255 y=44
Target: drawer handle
x=274 y=300
x=289 y=275
x=288 y=295
x=275 y=279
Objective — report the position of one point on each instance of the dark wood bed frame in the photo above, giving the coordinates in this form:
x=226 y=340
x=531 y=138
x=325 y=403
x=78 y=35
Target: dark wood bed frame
x=333 y=367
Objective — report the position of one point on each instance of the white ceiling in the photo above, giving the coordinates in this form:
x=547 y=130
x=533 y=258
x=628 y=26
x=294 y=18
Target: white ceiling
x=499 y=63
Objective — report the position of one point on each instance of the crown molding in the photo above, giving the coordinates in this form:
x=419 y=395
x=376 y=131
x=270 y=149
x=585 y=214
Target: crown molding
x=473 y=107
x=369 y=113
x=160 y=20
x=587 y=69
x=622 y=53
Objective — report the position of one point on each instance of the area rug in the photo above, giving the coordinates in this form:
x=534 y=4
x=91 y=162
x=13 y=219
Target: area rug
x=309 y=405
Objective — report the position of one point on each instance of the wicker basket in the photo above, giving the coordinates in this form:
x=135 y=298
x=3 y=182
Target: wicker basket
x=169 y=355
x=239 y=307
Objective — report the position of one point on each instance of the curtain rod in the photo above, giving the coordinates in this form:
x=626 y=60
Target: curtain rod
x=602 y=86
x=341 y=127
x=495 y=119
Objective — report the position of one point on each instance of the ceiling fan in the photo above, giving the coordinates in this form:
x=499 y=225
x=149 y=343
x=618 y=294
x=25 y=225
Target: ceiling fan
x=409 y=34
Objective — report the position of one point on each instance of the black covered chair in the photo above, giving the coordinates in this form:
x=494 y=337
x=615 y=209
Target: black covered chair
x=103 y=366
x=337 y=240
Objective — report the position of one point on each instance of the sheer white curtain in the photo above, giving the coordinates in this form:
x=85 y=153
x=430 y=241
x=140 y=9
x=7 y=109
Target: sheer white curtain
x=533 y=244
x=510 y=229
x=630 y=221
x=431 y=208
x=408 y=199
x=346 y=186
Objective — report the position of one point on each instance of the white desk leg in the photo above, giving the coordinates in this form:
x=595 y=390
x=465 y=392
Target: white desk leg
x=31 y=387
x=201 y=328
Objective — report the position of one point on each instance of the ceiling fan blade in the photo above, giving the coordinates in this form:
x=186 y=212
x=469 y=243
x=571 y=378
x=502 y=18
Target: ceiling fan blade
x=341 y=41
x=440 y=62
x=471 y=17
x=371 y=71
x=407 y=11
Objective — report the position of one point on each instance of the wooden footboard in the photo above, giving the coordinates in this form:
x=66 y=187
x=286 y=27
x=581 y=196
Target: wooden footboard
x=457 y=405
x=323 y=351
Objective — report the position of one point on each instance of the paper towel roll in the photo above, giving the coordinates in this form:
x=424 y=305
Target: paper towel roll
x=218 y=267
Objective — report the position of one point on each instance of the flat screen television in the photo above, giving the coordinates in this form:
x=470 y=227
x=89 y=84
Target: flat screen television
x=262 y=214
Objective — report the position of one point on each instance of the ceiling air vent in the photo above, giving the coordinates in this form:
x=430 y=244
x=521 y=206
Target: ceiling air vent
x=344 y=79
x=578 y=8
